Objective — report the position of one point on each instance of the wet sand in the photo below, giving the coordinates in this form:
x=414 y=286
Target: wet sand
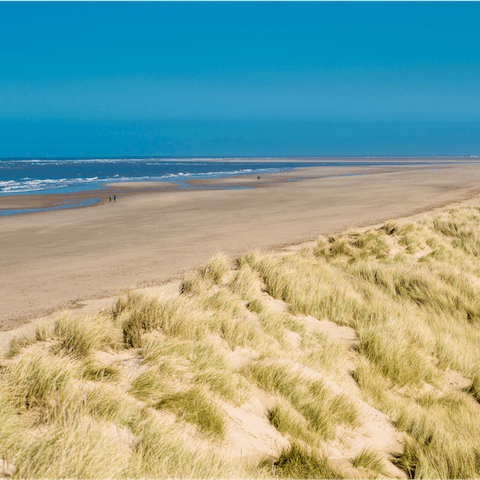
x=155 y=232
x=25 y=202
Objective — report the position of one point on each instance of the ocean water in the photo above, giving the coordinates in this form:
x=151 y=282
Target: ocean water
x=60 y=206
x=37 y=176
x=74 y=175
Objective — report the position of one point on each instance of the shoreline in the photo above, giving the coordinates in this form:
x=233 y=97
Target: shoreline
x=55 y=260
x=35 y=203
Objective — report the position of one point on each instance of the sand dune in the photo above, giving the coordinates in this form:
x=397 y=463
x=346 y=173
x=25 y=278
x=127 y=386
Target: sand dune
x=354 y=356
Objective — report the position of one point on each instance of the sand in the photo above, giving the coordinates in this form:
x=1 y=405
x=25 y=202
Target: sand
x=50 y=260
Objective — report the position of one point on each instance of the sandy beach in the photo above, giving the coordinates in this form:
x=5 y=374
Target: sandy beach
x=50 y=260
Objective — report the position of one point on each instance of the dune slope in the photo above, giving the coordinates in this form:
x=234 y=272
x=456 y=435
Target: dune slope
x=355 y=357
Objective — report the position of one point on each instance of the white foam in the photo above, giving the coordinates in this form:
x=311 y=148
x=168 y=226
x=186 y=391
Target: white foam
x=28 y=185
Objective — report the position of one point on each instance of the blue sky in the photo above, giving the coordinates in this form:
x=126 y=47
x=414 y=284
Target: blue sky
x=246 y=78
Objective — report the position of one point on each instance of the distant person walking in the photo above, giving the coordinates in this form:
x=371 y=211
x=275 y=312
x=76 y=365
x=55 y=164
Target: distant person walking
x=109 y=199
x=114 y=198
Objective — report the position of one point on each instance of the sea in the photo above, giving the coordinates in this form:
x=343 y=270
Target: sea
x=66 y=175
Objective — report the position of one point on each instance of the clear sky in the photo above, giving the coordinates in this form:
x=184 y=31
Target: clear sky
x=246 y=78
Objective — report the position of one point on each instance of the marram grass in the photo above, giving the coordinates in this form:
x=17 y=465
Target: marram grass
x=144 y=390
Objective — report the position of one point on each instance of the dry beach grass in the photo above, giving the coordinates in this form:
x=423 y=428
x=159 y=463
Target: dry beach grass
x=355 y=357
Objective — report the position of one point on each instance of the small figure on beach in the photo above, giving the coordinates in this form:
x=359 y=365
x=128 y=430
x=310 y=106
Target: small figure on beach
x=109 y=199
x=258 y=178
x=114 y=198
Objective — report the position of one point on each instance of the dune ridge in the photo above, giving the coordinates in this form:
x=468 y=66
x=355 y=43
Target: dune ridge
x=355 y=356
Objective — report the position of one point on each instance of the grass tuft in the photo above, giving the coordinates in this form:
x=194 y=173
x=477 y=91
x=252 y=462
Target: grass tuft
x=79 y=337
x=35 y=377
x=290 y=422
x=194 y=406
x=301 y=462
x=246 y=283
x=11 y=425
x=322 y=409
x=370 y=460
x=73 y=450
x=42 y=332
x=17 y=344
x=215 y=268
x=97 y=372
